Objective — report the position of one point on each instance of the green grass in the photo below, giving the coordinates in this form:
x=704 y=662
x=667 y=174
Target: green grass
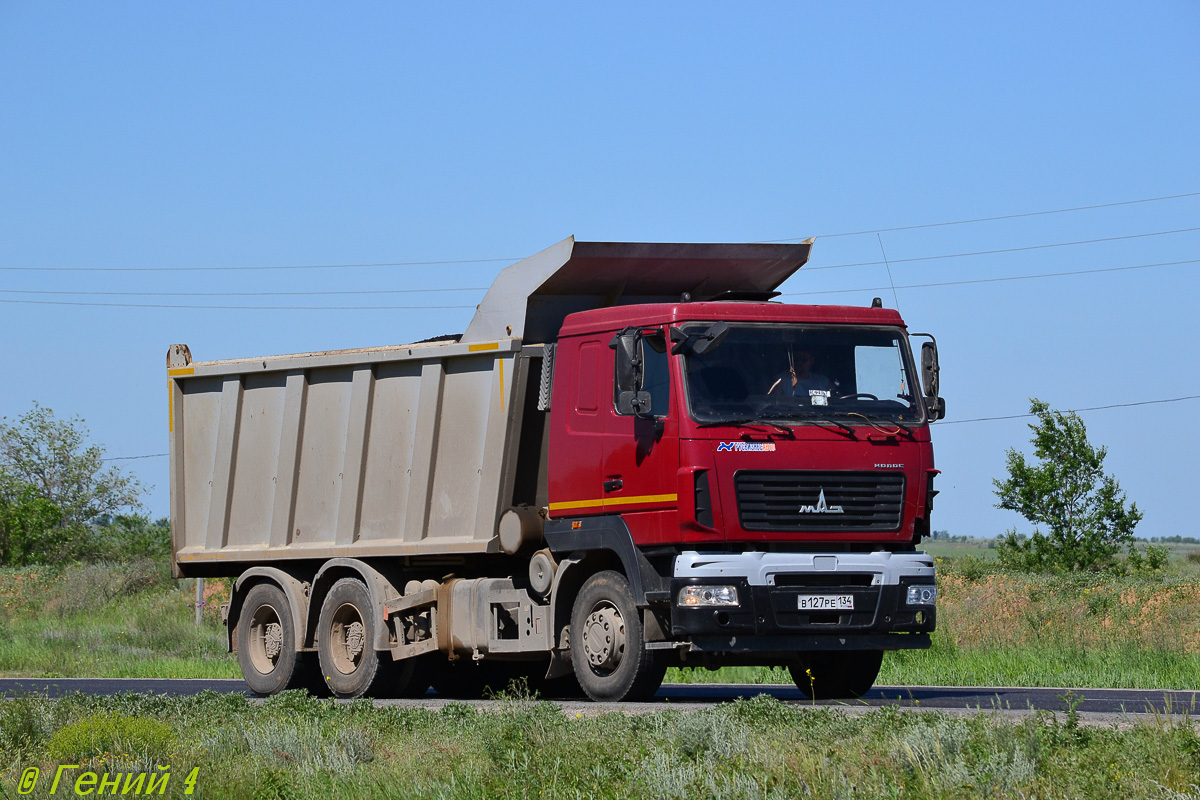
x=114 y=621
x=994 y=628
x=298 y=747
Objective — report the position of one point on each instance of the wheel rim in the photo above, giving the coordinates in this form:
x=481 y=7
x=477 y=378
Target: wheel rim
x=347 y=639
x=604 y=638
x=266 y=639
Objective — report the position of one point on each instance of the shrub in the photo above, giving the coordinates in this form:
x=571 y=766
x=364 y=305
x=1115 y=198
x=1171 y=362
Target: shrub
x=1153 y=560
x=111 y=734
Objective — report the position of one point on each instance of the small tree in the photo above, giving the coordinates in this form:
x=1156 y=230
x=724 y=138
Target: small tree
x=30 y=527
x=51 y=456
x=1067 y=491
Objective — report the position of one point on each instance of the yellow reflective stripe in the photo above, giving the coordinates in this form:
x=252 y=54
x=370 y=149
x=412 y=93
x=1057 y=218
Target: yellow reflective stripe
x=475 y=348
x=604 y=502
x=181 y=371
x=577 y=504
x=170 y=406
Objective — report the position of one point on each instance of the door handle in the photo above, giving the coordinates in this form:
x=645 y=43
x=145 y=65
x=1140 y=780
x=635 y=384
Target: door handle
x=613 y=484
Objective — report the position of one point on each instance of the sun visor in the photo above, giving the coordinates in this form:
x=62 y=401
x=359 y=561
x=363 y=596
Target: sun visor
x=530 y=299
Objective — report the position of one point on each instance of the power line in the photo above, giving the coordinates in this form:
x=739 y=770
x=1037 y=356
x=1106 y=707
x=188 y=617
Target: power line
x=939 y=423
x=483 y=288
x=510 y=260
x=991 y=219
x=229 y=308
x=253 y=268
x=999 y=280
x=464 y=307
x=240 y=294
x=1075 y=410
x=1006 y=249
x=133 y=458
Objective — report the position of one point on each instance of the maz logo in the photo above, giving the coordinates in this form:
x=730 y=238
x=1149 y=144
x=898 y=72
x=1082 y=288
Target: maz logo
x=821 y=507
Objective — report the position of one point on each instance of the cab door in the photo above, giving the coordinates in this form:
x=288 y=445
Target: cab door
x=641 y=454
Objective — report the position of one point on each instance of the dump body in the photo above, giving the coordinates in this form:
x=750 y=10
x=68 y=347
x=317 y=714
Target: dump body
x=400 y=450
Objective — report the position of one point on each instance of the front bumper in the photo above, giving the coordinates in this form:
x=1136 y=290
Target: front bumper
x=769 y=585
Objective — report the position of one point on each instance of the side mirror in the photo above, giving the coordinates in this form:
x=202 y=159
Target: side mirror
x=711 y=339
x=930 y=368
x=698 y=343
x=634 y=403
x=940 y=408
x=628 y=361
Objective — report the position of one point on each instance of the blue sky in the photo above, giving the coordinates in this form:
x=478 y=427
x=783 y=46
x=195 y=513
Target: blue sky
x=154 y=135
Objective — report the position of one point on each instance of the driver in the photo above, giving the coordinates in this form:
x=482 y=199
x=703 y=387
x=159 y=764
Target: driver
x=800 y=381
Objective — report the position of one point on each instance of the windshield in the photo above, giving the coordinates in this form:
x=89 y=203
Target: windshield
x=789 y=372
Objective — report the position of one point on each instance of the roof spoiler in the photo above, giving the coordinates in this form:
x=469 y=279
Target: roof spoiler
x=530 y=299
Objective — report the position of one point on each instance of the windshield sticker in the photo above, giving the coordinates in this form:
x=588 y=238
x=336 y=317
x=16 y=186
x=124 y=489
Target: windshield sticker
x=819 y=397
x=747 y=447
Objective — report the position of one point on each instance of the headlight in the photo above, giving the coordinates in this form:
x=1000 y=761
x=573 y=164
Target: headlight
x=708 y=596
x=922 y=595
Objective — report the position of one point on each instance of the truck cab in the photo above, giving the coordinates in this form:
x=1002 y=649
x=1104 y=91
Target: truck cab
x=771 y=463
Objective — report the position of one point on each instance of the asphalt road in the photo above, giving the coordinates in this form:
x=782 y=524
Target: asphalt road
x=1090 y=701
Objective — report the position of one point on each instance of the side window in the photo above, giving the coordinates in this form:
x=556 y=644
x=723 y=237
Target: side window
x=656 y=375
x=879 y=371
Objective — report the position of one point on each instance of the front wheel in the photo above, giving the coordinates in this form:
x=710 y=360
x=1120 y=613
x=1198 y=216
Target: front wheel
x=608 y=652
x=836 y=675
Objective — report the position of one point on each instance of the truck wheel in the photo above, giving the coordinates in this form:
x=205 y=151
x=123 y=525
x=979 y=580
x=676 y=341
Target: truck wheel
x=346 y=647
x=826 y=675
x=266 y=642
x=607 y=651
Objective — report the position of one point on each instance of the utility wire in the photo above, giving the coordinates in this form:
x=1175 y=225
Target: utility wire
x=939 y=423
x=990 y=219
x=510 y=260
x=240 y=294
x=418 y=308
x=230 y=308
x=1005 y=250
x=271 y=267
x=998 y=280
x=1074 y=410
x=483 y=288
x=133 y=458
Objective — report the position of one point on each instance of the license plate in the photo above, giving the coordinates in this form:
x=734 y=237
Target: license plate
x=825 y=602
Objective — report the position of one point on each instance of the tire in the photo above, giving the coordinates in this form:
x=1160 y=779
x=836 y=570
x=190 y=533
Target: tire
x=346 y=645
x=836 y=675
x=266 y=642
x=608 y=653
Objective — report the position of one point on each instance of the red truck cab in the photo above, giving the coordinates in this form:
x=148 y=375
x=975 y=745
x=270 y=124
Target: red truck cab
x=769 y=465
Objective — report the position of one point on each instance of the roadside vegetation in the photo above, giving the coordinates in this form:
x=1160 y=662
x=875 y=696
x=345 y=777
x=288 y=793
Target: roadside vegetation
x=995 y=627
x=106 y=606
x=296 y=746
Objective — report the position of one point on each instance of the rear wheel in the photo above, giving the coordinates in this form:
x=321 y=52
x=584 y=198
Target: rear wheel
x=346 y=648
x=266 y=642
x=834 y=675
x=608 y=653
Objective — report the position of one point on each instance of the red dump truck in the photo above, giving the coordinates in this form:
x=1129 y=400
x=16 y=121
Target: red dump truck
x=633 y=458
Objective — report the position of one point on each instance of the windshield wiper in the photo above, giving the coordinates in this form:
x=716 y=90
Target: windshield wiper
x=739 y=421
x=811 y=417
x=874 y=421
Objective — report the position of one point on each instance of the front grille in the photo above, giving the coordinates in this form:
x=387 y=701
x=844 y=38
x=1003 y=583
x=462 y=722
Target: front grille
x=791 y=500
x=823 y=579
